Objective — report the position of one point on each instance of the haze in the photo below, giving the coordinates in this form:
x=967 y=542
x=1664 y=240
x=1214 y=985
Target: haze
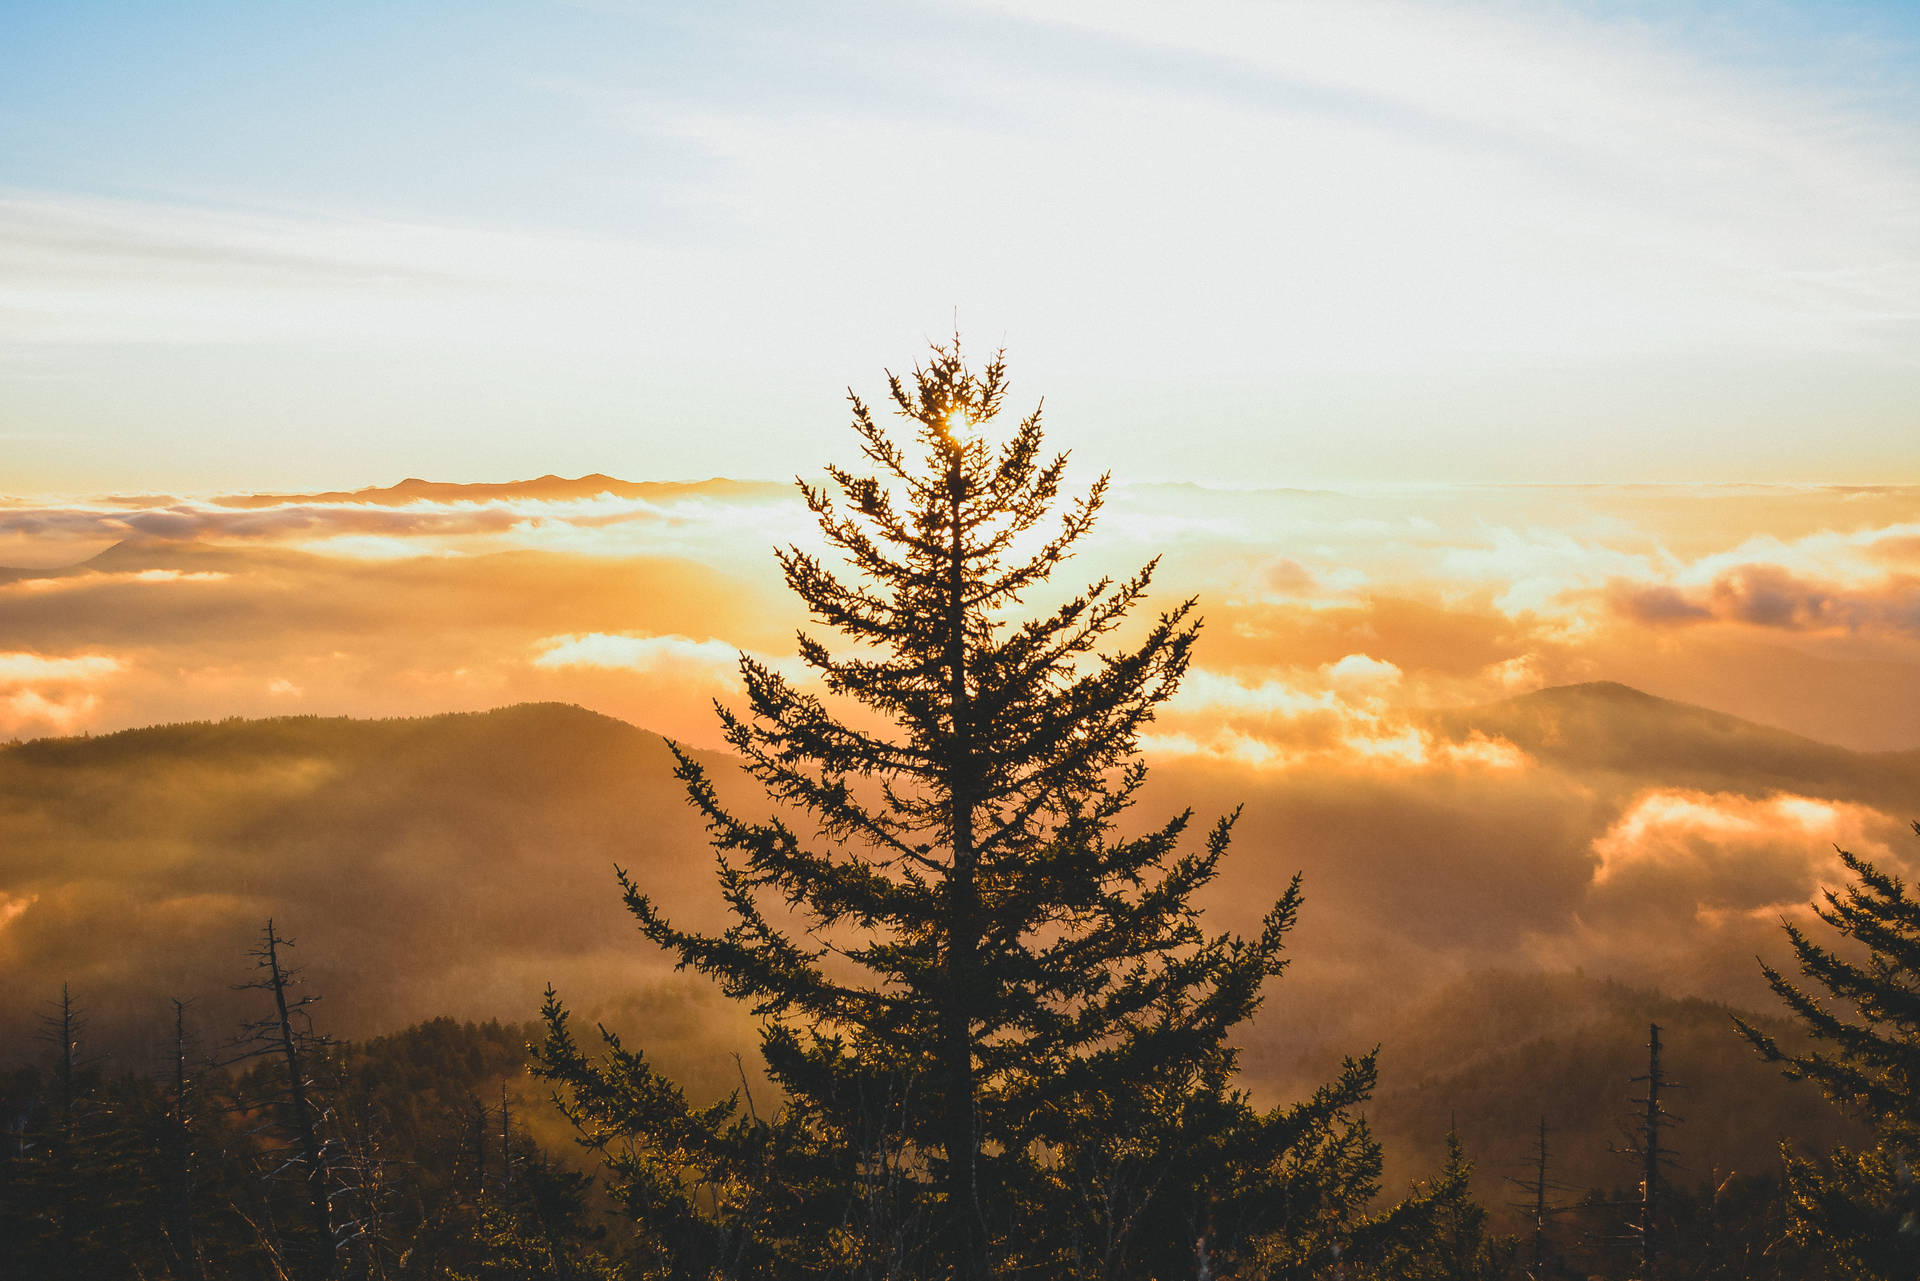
x=1351 y=684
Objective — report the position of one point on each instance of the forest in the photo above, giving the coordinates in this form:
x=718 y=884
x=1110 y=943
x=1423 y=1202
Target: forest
x=999 y=1032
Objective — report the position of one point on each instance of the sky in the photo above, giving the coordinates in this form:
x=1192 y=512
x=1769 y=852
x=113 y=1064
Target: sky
x=276 y=246
x=1334 y=619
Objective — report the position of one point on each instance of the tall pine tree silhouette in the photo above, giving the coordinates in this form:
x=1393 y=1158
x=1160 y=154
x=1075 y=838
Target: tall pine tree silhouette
x=943 y=911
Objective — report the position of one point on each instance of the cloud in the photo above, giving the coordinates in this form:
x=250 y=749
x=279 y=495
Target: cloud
x=1533 y=569
x=1287 y=579
x=639 y=653
x=90 y=270
x=349 y=834
x=1386 y=603
x=302 y=522
x=1896 y=547
x=1699 y=853
x=1359 y=673
x=52 y=694
x=98 y=579
x=1339 y=717
x=35 y=668
x=13 y=905
x=1655 y=604
x=723 y=522
x=1770 y=596
x=189 y=521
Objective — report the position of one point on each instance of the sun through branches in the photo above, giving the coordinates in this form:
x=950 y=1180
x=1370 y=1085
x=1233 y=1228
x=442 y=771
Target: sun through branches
x=997 y=1010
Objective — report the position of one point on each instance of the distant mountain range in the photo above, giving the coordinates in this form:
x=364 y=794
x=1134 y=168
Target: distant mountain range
x=456 y=864
x=550 y=488
x=1606 y=726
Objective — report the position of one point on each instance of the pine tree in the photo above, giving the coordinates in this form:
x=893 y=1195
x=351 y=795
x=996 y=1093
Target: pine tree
x=1859 y=1210
x=530 y=1223
x=78 y=1192
x=1439 y=1233
x=971 y=977
x=679 y=1172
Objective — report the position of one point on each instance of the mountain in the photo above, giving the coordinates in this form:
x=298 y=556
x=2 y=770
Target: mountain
x=456 y=864
x=1603 y=726
x=550 y=488
x=441 y=865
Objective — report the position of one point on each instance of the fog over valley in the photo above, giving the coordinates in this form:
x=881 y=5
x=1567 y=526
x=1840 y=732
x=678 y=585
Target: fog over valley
x=1434 y=706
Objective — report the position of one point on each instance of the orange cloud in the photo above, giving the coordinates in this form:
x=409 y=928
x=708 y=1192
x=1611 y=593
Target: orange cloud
x=1718 y=851
x=1329 y=615
x=108 y=579
x=1655 y=604
x=56 y=694
x=12 y=906
x=639 y=653
x=707 y=519
x=1763 y=595
x=1340 y=716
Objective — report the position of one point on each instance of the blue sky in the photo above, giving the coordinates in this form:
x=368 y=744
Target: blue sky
x=277 y=244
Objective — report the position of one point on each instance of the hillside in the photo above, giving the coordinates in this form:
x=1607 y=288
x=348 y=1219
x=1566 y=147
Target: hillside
x=1605 y=726
x=442 y=865
x=1495 y=1052
x=454 y=865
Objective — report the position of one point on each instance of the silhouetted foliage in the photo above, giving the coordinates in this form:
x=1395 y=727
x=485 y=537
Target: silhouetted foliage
x=999 y=1026
x=190 y=1170
x=1439 y=1233
x=1859 y=1209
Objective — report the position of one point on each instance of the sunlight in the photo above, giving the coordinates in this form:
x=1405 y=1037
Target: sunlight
x=12 y=906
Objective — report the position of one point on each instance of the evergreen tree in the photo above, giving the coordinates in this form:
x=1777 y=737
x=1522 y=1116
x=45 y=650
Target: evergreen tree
x=679 y=1172
x=1860 y=1210
x=1439 y=1233
x=192 y=1171
x=976 y=987
x=78 y=1185
x=531 y=1223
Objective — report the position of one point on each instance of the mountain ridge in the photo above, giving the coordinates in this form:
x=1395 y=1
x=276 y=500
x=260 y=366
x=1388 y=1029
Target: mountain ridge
x=454 y=864
x=549 y=487
x=1609 y=726
x=1538 y=716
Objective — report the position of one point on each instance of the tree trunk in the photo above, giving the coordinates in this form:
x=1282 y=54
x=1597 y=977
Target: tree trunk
x=184 y=1251
x=305 y=1138
x=962 y=1138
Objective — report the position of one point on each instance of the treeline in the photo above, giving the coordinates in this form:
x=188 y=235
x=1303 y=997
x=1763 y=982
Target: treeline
x=199 y=1167
x=280 y=1154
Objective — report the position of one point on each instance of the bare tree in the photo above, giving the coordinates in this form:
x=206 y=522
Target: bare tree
x=299 y=1116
